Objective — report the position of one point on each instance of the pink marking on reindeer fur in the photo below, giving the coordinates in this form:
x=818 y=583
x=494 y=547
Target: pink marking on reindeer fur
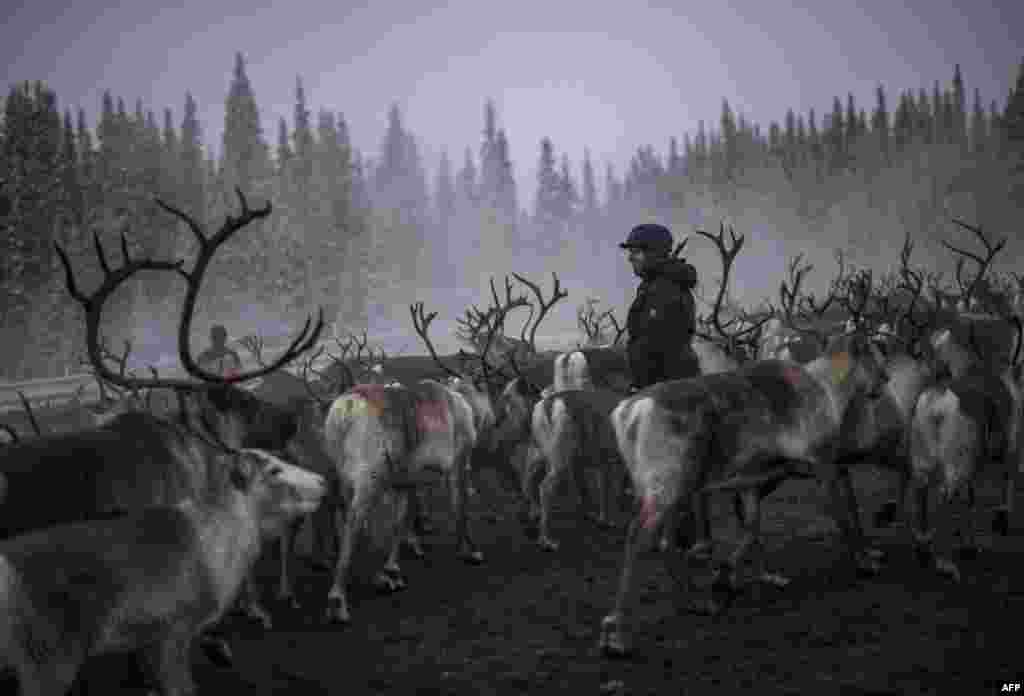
x=649 y=512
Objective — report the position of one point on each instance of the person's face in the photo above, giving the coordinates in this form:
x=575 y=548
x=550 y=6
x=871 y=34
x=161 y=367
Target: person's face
x=637 y=259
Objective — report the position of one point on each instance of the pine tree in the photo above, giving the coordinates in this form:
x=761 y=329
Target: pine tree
x=590 y=188
x=979 y=129
x=924 y=128
x=193 y=184
x=74 y=212
x=730 y=140
x=284 y=154
x=815 y=145
x=938 y=131
x=675 y=162
x=489 y=164
x=612 y=191
x=468 y=195
x=959 y=108
x=245 y=153
x=546 y=204
x=852 y=126
x=444 y=192
x=880 y=125
x=835 y=138
x=87 y=168
x=1012 y=127
x=789 y=144
x=569 y=197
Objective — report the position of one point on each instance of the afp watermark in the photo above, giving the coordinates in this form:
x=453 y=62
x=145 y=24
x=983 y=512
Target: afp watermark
x=1010 y=688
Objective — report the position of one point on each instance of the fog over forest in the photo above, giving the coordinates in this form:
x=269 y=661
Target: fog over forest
x=364 y=232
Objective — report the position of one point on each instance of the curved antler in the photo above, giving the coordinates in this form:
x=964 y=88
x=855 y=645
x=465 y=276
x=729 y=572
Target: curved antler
x=113 y=278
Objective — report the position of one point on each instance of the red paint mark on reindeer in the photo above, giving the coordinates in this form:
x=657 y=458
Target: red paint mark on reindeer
x=792 y=374
x=649 y=512
x=432 y=416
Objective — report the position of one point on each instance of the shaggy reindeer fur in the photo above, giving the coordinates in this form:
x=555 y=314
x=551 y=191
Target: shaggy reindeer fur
x=740 y=431
x=390 y=441
x=963 y=430
x=572 y=433
x=148 y=582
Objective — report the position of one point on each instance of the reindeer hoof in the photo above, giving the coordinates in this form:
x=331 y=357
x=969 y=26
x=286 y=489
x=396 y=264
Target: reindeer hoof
x=706 y=606
x=337 y=611
x=867 y=567
x=700 y=551
x=887 y=514
x=320 y=566
x=948 y=569
x=547 y=543
x=1001 y=523
x=968 y=553
x=414 y=546
x=217 y=651
x=289 y=599
x=472 y=557
x=255 y=612
x=612 y=642
x=531 y=531
x=774 y=579
x=389 y=580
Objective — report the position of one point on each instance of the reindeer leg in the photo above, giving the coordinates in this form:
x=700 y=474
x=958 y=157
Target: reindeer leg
x=465 y=548
x=1001 y=522
x=728 y=579
x=968 y=525
x=252 y=607
x=870 y=556
x=921 y=528
x=604 y=520
x=285 y=592
x=416 y=523
x=349 y=521
x=943 y=562
x=325 y=536
x=888 y=513
x=548 y=490
x=390 y=578
x=642 y=532
x=168 y=662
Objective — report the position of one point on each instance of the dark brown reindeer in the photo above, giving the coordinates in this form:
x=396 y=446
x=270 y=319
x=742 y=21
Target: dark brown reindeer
x=137 y=459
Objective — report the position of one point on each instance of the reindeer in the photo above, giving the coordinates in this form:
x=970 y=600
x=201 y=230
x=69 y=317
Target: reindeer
x=148 y=582
x=392 y=441
x=967 y=427
x=740 y=431
x=137 y=459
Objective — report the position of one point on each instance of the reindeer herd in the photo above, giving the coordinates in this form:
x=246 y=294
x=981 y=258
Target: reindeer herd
x=141 y=531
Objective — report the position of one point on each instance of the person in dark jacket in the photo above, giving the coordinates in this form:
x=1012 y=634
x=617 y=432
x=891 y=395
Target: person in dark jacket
x=662 y=318
x=218 y=358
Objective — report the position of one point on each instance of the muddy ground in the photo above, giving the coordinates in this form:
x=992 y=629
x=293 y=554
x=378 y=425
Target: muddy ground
x=526 y=621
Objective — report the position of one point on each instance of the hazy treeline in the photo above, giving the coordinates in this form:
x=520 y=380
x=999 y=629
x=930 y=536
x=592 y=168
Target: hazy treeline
x=363 y=236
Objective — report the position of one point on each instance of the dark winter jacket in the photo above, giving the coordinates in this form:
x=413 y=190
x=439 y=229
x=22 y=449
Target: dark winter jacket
x=661 y=323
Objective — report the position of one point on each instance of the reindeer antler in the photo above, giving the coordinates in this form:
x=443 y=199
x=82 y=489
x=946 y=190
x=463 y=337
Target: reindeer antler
x=556 y=294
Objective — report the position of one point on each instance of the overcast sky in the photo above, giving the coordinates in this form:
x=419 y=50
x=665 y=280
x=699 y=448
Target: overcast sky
x=609 y=75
